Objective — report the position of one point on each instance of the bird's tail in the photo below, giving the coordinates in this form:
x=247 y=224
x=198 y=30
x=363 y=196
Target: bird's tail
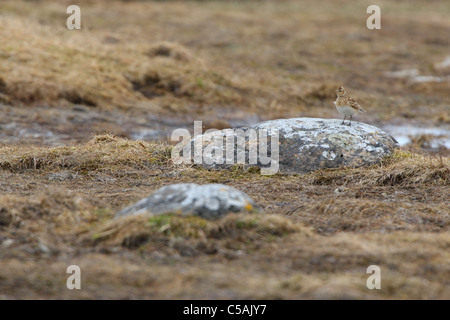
x=361 y=109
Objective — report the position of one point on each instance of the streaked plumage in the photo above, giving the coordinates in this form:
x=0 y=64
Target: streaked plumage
x=346 y=106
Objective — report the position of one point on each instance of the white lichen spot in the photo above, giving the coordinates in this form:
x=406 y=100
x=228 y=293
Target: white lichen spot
x=329 y=155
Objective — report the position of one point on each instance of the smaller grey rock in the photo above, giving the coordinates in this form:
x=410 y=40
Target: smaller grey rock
x=7 y=242
x=209 y=201
x=340 y=191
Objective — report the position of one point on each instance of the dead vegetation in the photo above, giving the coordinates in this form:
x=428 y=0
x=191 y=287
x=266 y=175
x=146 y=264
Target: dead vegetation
x=166 y=231
x=102 y=152
x=108 y=152
x=164 y=60
x=371 y=215
x=402 y=168
x=332 y=223
x=324 y=92
x=317 y=232
x=171 y=50
x=80 y=69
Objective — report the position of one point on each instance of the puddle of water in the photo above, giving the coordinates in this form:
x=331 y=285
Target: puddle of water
x=147 y=134
x=414 y=76
x=18 y=126
x=164 y=131
x=429 y=79
x=403 y=134
x=444 y=64
x=16 y=132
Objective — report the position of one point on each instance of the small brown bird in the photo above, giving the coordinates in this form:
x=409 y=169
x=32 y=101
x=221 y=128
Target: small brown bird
x=346 y=106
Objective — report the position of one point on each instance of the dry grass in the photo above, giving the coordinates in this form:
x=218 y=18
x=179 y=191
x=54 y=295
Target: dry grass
x=402 y=168
x=79 y=68
x=108 y=152
x=136 y=231
x=364 y=215
x=264 y=256
x=152 y=55
x=218 y=61
x=43 y=223
x=316 y=236
x=102 y=152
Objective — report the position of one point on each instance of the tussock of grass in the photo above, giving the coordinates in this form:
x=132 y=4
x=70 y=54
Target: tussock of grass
x=415 y=170
x=78 y=68
x=102 y=151
x=186 y=80
x=121 y=57
x=49 y=216
x=402 y=168
x=362 y=215
x=132 y=231
x=171 y=50
x=106 y=151
x=48 y=204
x=325 y=91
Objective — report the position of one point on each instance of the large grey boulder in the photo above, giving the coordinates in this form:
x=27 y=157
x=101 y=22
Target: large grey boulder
x=210 y=201
x=304 y=145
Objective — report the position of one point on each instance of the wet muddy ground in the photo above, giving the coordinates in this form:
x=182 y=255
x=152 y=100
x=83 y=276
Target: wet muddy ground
x=50 y=126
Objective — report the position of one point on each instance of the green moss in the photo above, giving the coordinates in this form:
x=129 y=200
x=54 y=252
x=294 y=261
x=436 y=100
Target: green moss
x=159 y=220
x=401 y=154
x=179 y=226
x=200 y=83
x=102 y=213
x=247 y=223
x=96 y=236
x=397 y=156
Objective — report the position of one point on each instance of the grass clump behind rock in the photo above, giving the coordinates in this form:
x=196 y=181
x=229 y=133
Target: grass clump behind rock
x=401 y=168
x=101 y=152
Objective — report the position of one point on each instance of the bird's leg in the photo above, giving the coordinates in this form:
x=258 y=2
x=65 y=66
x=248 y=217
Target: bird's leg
x=343 y=121
x=350 y=121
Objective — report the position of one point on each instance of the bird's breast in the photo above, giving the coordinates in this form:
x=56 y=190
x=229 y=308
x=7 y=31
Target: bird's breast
x=346 y=110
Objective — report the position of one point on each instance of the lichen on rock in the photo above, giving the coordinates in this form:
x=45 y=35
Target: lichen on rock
x=209 y=201
x=304 y=145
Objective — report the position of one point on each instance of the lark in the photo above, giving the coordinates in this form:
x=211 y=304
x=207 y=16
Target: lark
x=346 y=106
